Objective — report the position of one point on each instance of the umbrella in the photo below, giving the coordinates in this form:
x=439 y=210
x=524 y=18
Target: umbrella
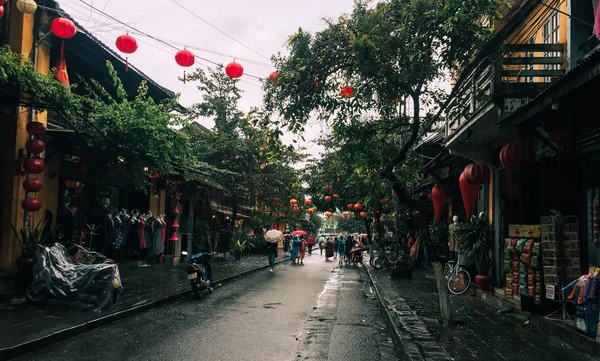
x=362 y=235
x=273 y=236
x=357 y=249
x=299 y=233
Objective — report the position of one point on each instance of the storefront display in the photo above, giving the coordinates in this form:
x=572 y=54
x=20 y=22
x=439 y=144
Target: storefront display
x=584 y=294
x=522 y=263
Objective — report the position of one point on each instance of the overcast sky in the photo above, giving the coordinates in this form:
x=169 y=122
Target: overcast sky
x=262 y=25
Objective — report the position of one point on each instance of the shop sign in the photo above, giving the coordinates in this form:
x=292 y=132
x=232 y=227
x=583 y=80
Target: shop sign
x=524 y=230
x=550 y=292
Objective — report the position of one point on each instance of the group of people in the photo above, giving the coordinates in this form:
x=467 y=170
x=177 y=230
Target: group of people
x=340 y=248
x=299 y=247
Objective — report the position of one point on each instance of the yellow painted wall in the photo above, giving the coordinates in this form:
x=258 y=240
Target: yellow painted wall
x=490 y=194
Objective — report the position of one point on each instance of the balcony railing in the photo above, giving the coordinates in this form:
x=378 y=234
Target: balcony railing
x=520 y=73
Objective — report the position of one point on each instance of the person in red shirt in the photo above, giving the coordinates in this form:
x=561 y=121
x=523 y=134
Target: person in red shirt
x=310 y=244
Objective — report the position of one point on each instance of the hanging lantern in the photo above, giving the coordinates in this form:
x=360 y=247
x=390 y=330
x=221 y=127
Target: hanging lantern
x=328 y=214
x=261 y=193
x=347 y=91
x=1 y=11
x=358 y=206
x=293 y=201
x=328 y=188
x=175 y=224
x=513 y=154
x=35 y=146
x=35 y=128
x=327 y=198
x=174 y=237
x=308 y=202
x=2 y=2
x=345 y=213
x=469 y=193
x=384 y=201
x=438 y=197
x=234 y=70
x=273 y=78
x=26 y=6
x=477 y=173
x=310 y=211
x=336 y=196
x=363 y=215
x=32 y=185
x=30 y=204
x=330 y=209
x=176 y=210
x=33 y=165
x=185 y=58
x=128 y=45
x=350 y=206
x=63 y=28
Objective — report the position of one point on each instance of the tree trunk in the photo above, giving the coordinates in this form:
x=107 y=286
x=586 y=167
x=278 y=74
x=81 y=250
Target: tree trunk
x=368 y=227
x=445 y=305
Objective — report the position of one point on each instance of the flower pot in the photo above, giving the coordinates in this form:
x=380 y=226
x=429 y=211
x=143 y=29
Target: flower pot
x=483 y=282
x=237 y=254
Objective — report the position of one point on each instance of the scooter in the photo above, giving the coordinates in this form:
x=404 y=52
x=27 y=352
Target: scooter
x=199 y=278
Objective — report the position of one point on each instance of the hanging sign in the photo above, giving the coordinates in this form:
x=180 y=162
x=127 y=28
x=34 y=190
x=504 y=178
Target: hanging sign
x=550 y=292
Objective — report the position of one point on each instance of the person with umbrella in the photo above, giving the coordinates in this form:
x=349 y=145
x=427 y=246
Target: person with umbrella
x=273 y=237
x=296 y=242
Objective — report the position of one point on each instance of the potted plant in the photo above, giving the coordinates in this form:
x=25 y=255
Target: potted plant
x=474 y=239
x=238 y=247
x=31 y=238
x=438 y=239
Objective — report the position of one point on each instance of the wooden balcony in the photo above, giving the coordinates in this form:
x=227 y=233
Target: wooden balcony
x=501 y=83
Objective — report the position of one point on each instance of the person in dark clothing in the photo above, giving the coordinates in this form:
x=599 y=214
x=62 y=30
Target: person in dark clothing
x=271 y=254
x=349 y=245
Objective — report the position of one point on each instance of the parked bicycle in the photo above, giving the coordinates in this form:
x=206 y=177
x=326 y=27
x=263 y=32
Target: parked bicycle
x=385 y=262
x=457 y=277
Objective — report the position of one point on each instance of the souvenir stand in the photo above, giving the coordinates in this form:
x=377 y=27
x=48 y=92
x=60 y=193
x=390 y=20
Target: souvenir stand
x=523 y=265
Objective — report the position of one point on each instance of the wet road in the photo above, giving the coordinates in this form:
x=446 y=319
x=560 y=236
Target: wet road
x=311 y=312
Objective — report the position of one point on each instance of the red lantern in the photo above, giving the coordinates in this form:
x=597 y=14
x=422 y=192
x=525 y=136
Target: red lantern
x=328 y=188
x=174 y=237
x=336 y=196
x=384 y=201
x=330 y=210
x=33 y=165
x=63 y=28
x=274 y=78
x=175 y=224
x=128 y=45
x=35 y=146
x=346 y=214
x=186 y=59
x=476 y=173
x=363 y=215
x=358 y=206
x=513 y=154
x=293 y=201
x=1 y=9
x=176 y=210
x=32 y=185
x=469 y=194
x=350 y=206
x=308 y=202
x=328 y=214
x=438 y=196
x=30 y=204
x=296 y=209
x=327 y=198
x=317 y=84
x=261 y=193
x=2 y=2
x=347 y=91
x=310 y=211
x=35 y=128
x=234 y=70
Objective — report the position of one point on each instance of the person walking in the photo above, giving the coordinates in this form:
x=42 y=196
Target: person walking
x=302 y=253
x=295 y=248
x=321 y=244
x=286 y=244
x=272 y=253
x=341 y=248
x=310 y=244
x=330 y=249
x=349 y=245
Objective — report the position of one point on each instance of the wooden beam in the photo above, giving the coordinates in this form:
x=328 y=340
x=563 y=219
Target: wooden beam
x=534 y=48
x=523 y=90
x=533 y=73
x=533 y=60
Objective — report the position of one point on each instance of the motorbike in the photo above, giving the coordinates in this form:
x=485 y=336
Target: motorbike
x=356 y=254
x=87 y=278
x=200 y=279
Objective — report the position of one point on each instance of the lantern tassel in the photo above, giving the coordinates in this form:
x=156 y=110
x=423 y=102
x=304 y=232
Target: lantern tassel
x=184 y=77
x=62 y=49
x=126 y=63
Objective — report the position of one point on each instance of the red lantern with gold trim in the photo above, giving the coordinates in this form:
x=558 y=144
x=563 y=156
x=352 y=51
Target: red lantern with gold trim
x=477 y=173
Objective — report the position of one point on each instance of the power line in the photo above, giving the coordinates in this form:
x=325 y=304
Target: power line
x=219 y=30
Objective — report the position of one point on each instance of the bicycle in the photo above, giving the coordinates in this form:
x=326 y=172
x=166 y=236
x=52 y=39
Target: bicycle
x=458 y=278
x=386 y=262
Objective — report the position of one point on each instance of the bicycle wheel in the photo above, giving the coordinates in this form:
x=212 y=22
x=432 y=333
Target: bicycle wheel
x=459 y=282
x=377 y=262
x=447 y=271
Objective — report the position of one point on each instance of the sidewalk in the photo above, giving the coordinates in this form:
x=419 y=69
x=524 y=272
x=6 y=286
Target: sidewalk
x=482 y=331
x=27 y=327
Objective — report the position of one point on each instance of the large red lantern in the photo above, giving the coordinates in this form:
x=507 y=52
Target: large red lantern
x=63 y=28
x=35 y=146
x=33 y=165
x=1 y=10
x=234 y=70
x=185 y=58
x=308 y=202
x=347 y=91
x=345 y=213
x=273 y=78
x=477 y=173
x=358 y=206
x=350 y=206
x=35 y=128
x=30 y=204
x=327 y=198
x=363 y=215
x=293 y=201
x=469 y=193
x=328 y=214
x=336 y=196
x=32 y=185
x=438 y=197
x=513 y=154
x=128 y=45
x=310 y=210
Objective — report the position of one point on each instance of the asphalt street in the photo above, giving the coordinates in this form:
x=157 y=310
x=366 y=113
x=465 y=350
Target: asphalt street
x=317 y=311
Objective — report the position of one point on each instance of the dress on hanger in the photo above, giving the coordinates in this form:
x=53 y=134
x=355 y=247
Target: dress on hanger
x=149 y=234
x=163 y=231
x=158 y=245
x=117 y=234
x=141 y=233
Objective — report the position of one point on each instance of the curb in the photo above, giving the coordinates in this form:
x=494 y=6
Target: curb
x=402 y=345
x=11 y=352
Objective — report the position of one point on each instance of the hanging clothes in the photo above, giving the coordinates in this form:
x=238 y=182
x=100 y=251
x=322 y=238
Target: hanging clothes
x=163 y=231
x=596 y=5
x=158 y=246
x=141 y=233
